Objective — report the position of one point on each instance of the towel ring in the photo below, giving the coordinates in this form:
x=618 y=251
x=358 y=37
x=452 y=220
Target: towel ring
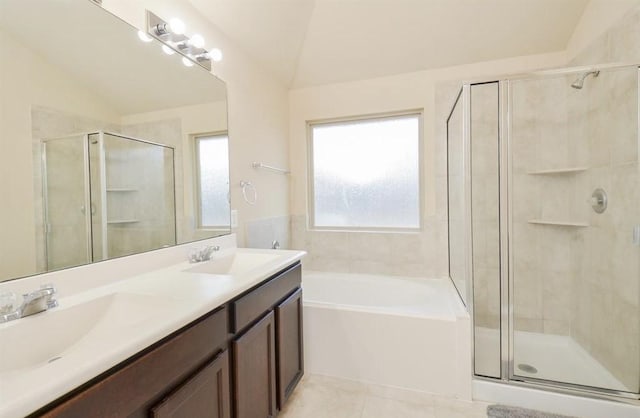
x=252 y=189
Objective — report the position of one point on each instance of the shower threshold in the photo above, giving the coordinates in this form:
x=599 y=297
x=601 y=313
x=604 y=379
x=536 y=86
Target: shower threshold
x=550 y=357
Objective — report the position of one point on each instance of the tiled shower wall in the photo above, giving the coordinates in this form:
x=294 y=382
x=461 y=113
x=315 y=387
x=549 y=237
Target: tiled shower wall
x=542 y=254
x=261 y=233
x=399 y=254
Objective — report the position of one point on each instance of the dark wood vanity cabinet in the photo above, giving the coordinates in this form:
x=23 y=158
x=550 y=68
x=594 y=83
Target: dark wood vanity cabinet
x=289 y=352
x=158 y=376
x=242 y=360
x=267 y=353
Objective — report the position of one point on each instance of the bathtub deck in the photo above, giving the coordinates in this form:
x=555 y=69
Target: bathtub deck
x=394 y=295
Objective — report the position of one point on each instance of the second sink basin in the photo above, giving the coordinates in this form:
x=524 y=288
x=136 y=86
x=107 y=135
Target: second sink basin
x=236 y=263
x=45 y=337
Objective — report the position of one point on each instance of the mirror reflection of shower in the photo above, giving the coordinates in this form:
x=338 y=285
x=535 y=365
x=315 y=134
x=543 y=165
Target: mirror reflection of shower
x=579 y=83
x=128 y=184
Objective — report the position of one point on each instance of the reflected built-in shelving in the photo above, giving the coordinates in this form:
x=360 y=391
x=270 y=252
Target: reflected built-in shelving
x=123 y=221
x=565 y=170
x=121 y=189
x=558 y=223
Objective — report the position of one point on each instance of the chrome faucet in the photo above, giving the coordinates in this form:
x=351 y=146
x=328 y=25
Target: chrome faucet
x=203 y=254
x=32 y=303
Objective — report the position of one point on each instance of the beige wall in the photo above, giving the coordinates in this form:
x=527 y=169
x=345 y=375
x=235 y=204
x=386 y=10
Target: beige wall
x=257 y=110
x=28 y=80
x=419 y=254
x=598 y=18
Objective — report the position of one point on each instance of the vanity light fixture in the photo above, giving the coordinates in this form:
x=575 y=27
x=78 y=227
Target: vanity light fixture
x=187 y=62
x=172 y=35
x=197 y=41
x=144 y=37
x=215 y=54
x=174 y=27
x=167 y=50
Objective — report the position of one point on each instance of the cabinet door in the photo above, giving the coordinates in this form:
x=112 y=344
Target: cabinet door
x=290 y=358
x=204 y=395
x=254 y=358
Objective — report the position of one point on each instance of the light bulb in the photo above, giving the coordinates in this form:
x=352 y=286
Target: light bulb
x=187 y=62
x=177 y=26
x=216 y=55
x=197 y=41
x=144 y=37
x=168 y=50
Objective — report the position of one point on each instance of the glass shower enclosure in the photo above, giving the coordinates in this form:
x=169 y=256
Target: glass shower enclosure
x=544 y=195
x=105 y=195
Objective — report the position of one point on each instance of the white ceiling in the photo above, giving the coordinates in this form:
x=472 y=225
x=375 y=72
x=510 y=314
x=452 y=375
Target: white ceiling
x=310 y=42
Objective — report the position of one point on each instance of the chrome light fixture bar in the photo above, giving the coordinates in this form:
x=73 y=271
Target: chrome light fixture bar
x=172 y=35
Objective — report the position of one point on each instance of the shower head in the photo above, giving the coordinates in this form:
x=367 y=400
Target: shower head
x=579 y=83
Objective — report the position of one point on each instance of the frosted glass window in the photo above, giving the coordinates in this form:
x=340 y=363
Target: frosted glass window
x=366 y=173
x=212 y=154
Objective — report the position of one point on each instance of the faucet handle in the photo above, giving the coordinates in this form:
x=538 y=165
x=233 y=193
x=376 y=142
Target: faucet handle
x=49 y=286
x=7 y=302
x=51 y=301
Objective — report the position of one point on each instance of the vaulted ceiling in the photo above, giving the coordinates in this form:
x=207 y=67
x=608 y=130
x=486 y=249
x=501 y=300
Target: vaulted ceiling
x=311 y=42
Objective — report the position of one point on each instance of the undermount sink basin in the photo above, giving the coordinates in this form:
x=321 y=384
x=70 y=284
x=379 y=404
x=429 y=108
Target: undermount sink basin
x=45 y=337
x=235 y=264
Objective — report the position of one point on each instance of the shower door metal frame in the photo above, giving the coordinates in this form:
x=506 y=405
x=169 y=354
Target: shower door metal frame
x=103 y=196
x=84 y=137
x=506 y=243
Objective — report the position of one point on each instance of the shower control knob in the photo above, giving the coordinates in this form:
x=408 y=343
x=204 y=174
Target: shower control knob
x=598 y=200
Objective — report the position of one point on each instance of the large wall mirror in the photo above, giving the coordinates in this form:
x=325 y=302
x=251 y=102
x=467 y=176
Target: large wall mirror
x=109 y=146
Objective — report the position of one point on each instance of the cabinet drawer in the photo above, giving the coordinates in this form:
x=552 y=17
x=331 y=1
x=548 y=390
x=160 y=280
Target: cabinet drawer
x=131 y=390
x=249 y=307
x=204 y=395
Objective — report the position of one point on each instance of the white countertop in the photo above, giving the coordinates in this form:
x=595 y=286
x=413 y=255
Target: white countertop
x=157 y=303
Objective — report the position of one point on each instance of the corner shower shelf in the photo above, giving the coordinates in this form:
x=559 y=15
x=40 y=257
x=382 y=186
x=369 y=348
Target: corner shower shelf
x=558 y=223
x=123 y=221
x=121 y=189
x=566 y=170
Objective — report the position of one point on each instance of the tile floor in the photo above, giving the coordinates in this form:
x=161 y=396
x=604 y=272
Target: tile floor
x=325 y=397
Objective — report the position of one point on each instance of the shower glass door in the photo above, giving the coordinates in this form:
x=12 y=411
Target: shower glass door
x=575 y=229
x=484 y=139
x=455 y=195
x=66 y=225
x=133 y=192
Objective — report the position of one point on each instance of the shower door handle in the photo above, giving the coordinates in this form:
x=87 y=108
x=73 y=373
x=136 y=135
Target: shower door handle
x=636 y=235
x=92 y=207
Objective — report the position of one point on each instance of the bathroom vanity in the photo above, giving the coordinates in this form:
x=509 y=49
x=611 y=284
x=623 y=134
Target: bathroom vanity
x=236 y=351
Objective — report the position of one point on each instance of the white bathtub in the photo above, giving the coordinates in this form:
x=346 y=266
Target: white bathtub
x=393 y=331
